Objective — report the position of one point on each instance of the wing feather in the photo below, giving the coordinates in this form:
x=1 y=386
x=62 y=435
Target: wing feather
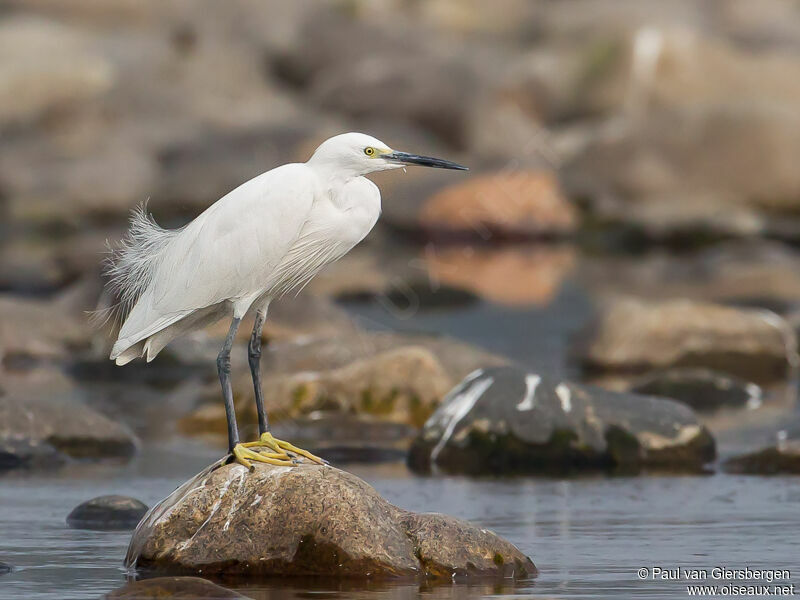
x=227 y=253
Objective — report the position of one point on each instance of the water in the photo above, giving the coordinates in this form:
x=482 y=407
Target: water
x=588 y=536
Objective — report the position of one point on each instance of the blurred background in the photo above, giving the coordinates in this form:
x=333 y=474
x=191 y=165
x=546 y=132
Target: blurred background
x=631 y=219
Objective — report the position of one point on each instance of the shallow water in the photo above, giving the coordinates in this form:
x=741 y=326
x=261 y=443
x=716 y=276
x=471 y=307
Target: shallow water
x=588 y=536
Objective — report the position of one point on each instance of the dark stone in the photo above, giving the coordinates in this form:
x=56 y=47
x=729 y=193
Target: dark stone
x=702 y=389
x=5 y=568
x=107 y=513
x=505 y=419
x=309 y=520
x=188 y=588
x=780 y=459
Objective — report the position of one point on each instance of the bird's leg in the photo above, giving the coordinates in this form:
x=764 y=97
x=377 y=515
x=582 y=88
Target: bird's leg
x=266 y=439
x=242 y=454
x=254 y=358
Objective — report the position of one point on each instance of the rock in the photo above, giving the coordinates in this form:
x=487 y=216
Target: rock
x=107 y=513
x=198 y=172
x=44 y=66
x=188 y=588
x=340 y=54
x=33 y=427
x=781 y=459
x=5 y=568
x=759 y=273
x=402 y=385
x=702 y=389
x=505 y=419
x=348 y=439
x=309 y=520
x=632 y=335
x=506 y=205
x=27 y=331
x=726 y=156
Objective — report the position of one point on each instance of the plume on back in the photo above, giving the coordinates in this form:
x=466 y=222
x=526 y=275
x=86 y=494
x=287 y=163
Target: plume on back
x=132 y=262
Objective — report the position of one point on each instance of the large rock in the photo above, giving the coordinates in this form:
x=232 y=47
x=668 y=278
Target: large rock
x=309 y=520
x=38 y=431
x=107 y=513
x=509 y=420
x=523 y=204
x=632 y=335
x=403 y=385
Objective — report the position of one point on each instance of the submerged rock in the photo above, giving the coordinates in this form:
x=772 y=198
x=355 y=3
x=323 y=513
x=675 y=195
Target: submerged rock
x=189 y=588
x=308 y=520
x=107 y=513
x=782 y=458
x=505 y=419
x=702 y=389
x=633 y=335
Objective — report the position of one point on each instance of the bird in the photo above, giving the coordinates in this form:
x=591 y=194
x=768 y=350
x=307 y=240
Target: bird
x=267 y=237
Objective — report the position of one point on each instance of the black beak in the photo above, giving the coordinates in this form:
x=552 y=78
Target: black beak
x=425 y=161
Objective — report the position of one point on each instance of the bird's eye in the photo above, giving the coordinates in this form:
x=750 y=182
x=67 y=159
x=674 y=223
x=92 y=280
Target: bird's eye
x=369 y=151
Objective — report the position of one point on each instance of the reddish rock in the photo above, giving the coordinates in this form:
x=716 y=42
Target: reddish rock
x=525 y=204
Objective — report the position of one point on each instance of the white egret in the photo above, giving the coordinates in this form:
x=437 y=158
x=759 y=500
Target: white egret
x=270 y=235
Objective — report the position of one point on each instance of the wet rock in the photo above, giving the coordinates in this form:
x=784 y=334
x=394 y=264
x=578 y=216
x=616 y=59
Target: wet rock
x=782 y=458
x=107 y=513
x=33 y=427
x=188 y=588
x=403 y=385
x=508 y=420
x=702 y=389
x=507 y=205
x=632 y=335
x=309 y=520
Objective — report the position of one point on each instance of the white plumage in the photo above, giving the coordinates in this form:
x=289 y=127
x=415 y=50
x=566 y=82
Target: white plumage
x=266 y=237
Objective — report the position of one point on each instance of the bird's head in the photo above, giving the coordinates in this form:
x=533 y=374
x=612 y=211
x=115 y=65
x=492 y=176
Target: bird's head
x=358 y=154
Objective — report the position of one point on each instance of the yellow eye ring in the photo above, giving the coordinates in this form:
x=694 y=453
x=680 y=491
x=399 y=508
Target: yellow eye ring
x=369 y=151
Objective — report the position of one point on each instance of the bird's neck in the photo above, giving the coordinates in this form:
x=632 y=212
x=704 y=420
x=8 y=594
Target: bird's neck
x=332 y=178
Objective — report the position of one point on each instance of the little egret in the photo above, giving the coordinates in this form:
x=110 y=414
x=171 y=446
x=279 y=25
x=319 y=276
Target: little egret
x=270 y=235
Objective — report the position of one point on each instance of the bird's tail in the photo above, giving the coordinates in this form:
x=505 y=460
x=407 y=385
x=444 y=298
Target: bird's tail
x=131 y=264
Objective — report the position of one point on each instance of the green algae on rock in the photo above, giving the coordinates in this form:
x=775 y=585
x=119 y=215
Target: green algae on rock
x=505 y=419
x=309 y=520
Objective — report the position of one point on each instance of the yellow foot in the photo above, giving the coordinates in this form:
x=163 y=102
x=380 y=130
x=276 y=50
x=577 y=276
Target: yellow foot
x=244 y=455
x=280 y=447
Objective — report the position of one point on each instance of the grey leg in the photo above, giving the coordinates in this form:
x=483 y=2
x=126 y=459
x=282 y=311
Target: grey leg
x=254 y=358
x=224 y=369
